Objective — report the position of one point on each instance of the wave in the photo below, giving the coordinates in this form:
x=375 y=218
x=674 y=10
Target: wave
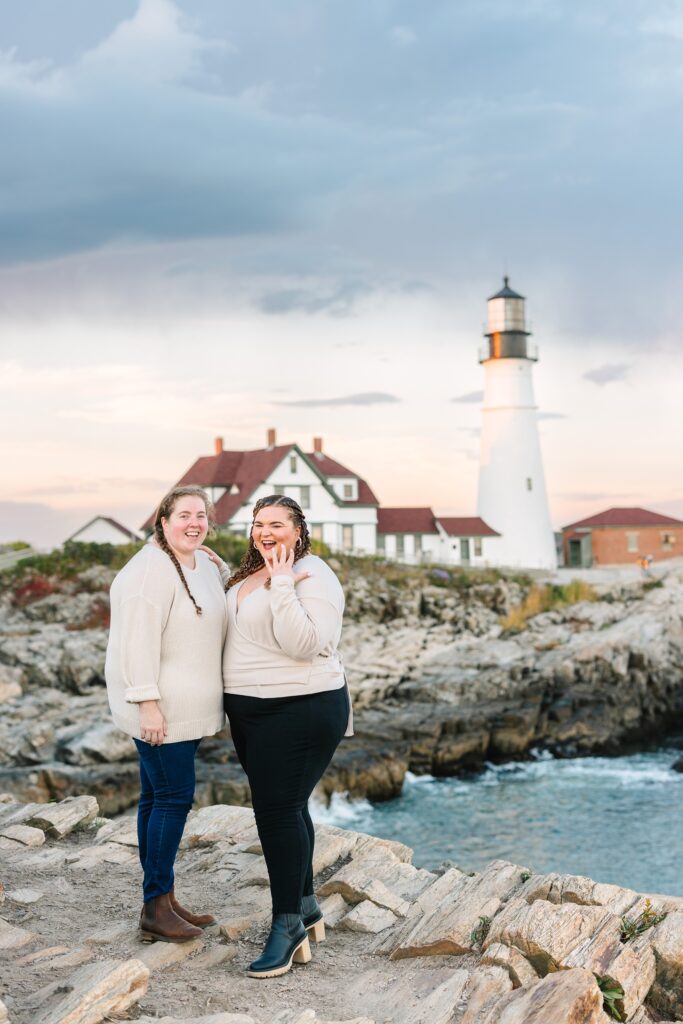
x=625 y=771
x=342 y=810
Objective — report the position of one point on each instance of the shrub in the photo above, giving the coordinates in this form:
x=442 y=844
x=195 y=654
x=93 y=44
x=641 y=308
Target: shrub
x=32 y=589
x=612 y=997
x=543 y=599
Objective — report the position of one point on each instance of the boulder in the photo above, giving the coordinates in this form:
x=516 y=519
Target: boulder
x=104 y=989
x=368 y=917
x=12 y=938
x=459 y=922
x=553 y=937
x=566 y=997
x=667 y=942
x=57 y=820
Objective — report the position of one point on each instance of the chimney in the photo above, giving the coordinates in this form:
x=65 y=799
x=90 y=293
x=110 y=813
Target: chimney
x=318 y=445
x=271 y=437
x=218 y=444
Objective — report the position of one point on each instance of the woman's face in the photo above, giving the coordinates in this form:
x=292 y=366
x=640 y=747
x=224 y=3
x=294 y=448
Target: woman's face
x=187 y=526
x=273 y=527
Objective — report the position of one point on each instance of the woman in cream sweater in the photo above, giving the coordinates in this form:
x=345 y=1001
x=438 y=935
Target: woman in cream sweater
x=288 y=705
x=165 y=687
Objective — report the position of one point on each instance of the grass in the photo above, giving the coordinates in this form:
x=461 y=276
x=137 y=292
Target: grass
x=631 y=927
x=612 y=997
x=480 y=931
x=543 y=599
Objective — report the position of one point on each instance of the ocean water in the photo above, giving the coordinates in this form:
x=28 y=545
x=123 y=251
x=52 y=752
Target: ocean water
x=616 y=819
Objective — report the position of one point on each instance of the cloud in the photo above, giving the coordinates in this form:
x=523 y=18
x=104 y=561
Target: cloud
x=471 y=396
x=365 y=398
x=608 y=373
x=339 y=302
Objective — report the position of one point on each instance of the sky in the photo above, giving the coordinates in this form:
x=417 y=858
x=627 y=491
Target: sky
x=218 y=217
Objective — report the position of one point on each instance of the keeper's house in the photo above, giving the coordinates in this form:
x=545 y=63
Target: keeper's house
x=340 y=507
x=620 y=536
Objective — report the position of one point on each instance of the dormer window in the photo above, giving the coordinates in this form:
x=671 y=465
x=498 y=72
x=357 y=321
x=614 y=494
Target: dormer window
x=292 y=464
x=348 y=492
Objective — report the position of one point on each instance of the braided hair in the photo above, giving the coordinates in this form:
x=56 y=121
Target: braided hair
x=165 y=509
x=253 y=559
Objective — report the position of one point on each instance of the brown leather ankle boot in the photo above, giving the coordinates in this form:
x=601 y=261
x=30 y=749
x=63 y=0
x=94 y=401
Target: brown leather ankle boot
x=159 y=922
x=198 y=920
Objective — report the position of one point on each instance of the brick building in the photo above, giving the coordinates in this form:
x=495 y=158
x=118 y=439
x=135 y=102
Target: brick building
x=620 y=536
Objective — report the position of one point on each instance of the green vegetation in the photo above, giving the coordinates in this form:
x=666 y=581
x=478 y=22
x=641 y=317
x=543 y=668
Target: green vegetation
x=652 y=585
x=612 y=997
x=525 y=876
x=633 y=926
x=544 y=599
x=373 y=567
x=15 y=545
x=72 y=558
x=480 y=931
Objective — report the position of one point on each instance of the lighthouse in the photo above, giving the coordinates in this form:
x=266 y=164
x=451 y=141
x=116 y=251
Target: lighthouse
x=512 y=496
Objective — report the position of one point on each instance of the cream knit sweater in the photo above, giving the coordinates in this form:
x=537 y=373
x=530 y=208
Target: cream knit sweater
x=283 y=642
x=160 y=649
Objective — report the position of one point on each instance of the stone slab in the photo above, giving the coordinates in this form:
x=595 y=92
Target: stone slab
x=104 y=989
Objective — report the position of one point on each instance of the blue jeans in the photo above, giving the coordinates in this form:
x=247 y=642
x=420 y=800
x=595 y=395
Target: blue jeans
x=167 y=781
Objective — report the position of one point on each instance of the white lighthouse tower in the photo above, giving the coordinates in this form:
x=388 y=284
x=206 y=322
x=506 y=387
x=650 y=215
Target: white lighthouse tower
x=512 y=497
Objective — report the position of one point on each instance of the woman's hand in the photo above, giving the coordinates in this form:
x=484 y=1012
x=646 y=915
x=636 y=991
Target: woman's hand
x=153 y=728
x=282 y=565
x=216 y=559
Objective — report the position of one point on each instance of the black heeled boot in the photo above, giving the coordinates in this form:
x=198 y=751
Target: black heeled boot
x=312 y=917
x=286 y=944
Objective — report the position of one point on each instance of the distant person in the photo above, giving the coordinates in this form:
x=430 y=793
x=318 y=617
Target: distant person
x=163 y=672
x=289 y=707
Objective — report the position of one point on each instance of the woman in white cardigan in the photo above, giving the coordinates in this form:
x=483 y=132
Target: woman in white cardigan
x=165 y=687
x=288 y=705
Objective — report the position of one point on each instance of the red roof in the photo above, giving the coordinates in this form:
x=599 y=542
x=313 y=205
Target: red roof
x=626 y=517
x=405 y=520
x=248 y=470
x=329 y=467
x=466 y=526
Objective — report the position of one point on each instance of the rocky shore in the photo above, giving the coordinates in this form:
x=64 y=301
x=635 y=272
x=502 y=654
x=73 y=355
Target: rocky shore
x=404 y=945
x=439 y=685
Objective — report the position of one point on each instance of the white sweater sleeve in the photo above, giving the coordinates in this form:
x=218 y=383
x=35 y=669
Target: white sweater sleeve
x=140 y=633
x=303 y=626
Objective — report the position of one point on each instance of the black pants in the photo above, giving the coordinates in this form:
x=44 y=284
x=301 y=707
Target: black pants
x=284 y=745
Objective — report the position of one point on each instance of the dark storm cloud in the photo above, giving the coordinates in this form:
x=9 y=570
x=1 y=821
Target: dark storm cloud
x=365 y=398
x=339 y=302
x=424 y=142
x=608 y=373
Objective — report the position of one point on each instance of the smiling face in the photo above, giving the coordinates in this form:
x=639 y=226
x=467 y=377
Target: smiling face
x=273 y=527
x=187 y=525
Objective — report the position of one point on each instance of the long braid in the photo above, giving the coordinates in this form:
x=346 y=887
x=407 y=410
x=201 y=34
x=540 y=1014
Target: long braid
x=253 y=559
x=163 y=512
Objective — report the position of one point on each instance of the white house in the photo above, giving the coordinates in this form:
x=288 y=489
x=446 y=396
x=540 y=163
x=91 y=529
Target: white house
x=340 y=507
x=408 y=535
x=104 y=530
x=416 y=535
x=468 y=540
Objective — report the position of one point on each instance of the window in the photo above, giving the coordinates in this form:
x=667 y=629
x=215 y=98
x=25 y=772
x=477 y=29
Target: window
x=400 y=544
x=477 y=547
x=305 y=497
x=278 y=489
x=348 y=491
x=632 y=540
x=316 y=531
x=292 y=463
x=418 y=543
x=529 y=484
x=347 y=538
x=668 y=541
x=380 y=543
